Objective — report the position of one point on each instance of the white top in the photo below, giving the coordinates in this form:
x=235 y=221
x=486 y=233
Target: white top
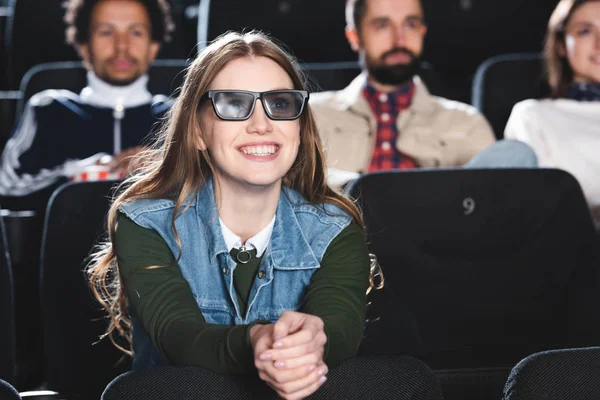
x=260 y=241
x=101 y=94
x=564 y=134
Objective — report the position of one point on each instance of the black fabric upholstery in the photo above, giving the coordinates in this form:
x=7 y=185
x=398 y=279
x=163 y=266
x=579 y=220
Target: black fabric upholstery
x=72 y=321
x=382 y=377
x=482 y=267
x=558 y=374
x=473 y=383
x=310 y=35
x=8 y=106
x=503 y=81
x=8 y=392
x=7 y=310
x=165 y=77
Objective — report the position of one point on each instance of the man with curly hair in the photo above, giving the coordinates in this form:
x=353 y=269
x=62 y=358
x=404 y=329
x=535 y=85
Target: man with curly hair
x=61 y=131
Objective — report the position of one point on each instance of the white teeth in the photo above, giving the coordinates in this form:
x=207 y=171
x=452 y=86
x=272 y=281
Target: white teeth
x=259 y=150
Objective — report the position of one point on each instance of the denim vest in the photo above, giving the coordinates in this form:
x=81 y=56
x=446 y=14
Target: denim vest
x=301 y=235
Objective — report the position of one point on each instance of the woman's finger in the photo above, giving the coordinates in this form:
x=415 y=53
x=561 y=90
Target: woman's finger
x=295 y=339
x=283 y=354
x=307 y=360
x=289 y=322
x=301 y=394
x=280 y=377
x=299 y=385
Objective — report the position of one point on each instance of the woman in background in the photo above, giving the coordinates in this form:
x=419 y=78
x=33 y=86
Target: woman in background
x=564 y=131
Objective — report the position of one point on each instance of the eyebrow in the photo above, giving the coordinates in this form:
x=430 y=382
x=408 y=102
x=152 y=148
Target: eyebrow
x=415 y=17
x=585 y=23
x=412 y=17
x=110 y=25
x=379 y=19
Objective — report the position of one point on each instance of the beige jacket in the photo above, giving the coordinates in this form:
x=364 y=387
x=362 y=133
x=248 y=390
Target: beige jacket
x=435 y=132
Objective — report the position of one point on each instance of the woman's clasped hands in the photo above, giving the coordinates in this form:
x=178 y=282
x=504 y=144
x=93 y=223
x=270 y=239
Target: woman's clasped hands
x=289 y=354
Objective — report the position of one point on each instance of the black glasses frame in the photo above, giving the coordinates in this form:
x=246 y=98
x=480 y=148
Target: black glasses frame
x=256 y=95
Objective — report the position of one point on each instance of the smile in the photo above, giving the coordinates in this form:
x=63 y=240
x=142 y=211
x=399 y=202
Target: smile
x=261 y=151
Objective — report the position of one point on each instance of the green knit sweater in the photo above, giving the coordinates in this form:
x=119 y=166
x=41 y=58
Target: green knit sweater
x=163 y=301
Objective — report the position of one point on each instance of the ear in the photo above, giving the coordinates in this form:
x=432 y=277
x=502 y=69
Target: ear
x=561 y=48
x=353 y=39
x=84 y=53
x=153 y=51
x=200 y=143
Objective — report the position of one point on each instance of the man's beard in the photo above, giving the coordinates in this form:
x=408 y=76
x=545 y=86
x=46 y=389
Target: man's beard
x=117 y=82
x=391 y=74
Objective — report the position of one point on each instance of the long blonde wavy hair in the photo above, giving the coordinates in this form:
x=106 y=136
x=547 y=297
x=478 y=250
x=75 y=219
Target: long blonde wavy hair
x=175 y=169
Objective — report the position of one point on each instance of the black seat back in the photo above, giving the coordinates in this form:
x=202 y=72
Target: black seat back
x=8 y=107
x=503 y=81
x=8 y=392
x=7 y=311
x=376 y=377
x=165 y=76
x=482 y=267
x=77 y=364
x=557 y=374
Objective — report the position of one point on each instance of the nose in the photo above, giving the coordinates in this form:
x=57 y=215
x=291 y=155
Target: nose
x=399 y=36
x=259 y=122
x=121 y=42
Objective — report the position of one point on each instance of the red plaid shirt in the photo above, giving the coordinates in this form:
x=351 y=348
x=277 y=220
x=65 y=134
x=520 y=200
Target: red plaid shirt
x=387 y=107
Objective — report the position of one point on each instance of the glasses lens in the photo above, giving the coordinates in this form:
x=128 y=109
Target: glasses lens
x=234 y=105
x=284 y=104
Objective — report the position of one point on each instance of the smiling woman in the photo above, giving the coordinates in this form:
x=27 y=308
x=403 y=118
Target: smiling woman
x=241 y=149
x=228 y=249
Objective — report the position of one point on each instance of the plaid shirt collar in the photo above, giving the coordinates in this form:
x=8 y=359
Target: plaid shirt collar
x=401 y=97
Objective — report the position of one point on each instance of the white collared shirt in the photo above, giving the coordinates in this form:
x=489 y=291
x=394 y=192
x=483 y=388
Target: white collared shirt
x=260 y=241
x=101 y=94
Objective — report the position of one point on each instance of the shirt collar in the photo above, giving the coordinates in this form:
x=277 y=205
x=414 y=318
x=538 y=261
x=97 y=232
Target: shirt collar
x=101 y=94
x=401 y=97
x=282 y=252
x=405 y=89
x=351 y=97
x=260 y=241
x=584 y=91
